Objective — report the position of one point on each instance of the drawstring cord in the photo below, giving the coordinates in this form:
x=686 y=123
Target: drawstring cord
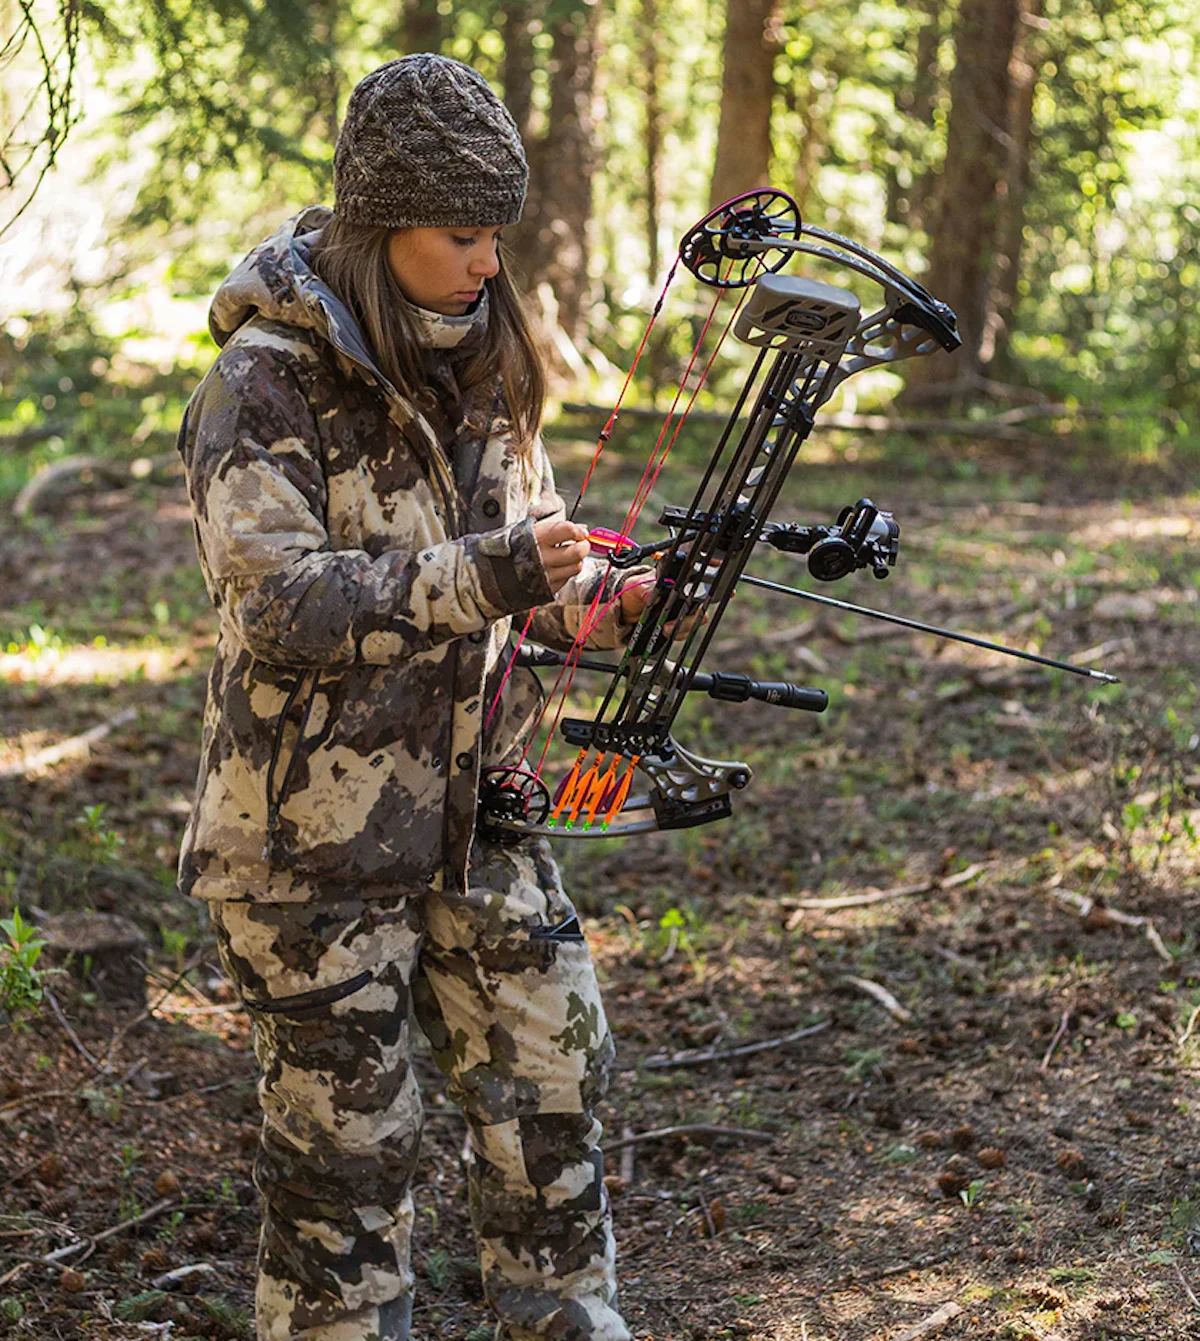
x=275 y=798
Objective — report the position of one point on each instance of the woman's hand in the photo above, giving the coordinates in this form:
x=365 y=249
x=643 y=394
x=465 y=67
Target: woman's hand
x=636 y=595
x=563 y=546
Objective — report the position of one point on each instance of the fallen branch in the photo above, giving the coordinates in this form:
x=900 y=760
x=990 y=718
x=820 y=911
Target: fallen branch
x=882 y=895
x=159 y=1207
x=1191 y=1024
x=1187 y=1289
x=790 y=633
x=628 y=1155
x=53 y=754
x=934 y=1323
x=56 y=483
x=66 y=1024
x=902 y=1268
x=699 y=1057
x=882 y=995
x=961 y=962
x=688 y=1129
x=1054 y=1042
x=1095 y=913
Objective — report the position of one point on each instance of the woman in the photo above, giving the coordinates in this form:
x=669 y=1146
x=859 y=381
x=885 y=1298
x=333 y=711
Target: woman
x=372 y=507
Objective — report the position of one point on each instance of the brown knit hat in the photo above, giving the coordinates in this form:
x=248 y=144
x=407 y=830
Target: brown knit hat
x=426 y=143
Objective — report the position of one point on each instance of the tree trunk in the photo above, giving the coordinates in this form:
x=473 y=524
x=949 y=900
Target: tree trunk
x=813 y=108
x=551 y=245
x=965 y=226
x=747 y=93
x=653 y=130
x=422 y=27
x=1028 y=55
x=910 y=206
x=517 y=32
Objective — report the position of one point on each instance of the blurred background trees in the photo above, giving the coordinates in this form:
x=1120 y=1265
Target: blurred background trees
x=1032 y=159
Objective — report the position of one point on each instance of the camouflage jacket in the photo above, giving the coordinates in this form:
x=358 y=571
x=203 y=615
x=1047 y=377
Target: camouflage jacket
x=366 y=569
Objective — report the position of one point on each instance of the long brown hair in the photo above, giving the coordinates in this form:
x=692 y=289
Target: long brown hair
x=352 y=261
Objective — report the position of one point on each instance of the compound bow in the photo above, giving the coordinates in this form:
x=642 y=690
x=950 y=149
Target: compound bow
x=810 y=336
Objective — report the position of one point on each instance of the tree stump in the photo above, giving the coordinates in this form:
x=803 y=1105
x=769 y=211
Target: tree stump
x=101 y=950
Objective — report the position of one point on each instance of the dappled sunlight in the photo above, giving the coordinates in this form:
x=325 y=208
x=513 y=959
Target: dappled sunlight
x=1136 y=528
x=88 y=664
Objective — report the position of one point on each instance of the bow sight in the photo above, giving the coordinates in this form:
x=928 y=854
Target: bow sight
x=809 y=336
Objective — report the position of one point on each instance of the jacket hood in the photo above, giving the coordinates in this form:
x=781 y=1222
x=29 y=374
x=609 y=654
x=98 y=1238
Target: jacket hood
x=276 y=281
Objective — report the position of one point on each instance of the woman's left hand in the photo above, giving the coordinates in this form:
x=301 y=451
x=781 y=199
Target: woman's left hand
x=635 y=596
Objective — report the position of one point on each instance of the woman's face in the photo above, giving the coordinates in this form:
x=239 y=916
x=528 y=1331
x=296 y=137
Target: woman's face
x=443 y=269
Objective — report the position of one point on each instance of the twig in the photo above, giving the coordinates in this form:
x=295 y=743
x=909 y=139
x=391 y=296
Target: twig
x=917 y=1264
x=1191 y=1024
x=688 y=1129
x=790 y=633
x=881 y=895
x=1187 y=1289
x=699 y=1057
x=14 y=1272
x=169 y=1280
x=53 y=754
x=1096 y=914
x=882 y=995
x=628 y=1156
x=66 y=1024
x=1054 y=1042
x=144 y=1015
x=961 y=962
x=159 y=1207
x=934 y=1323
x=25 y=1099
x=708 y=1216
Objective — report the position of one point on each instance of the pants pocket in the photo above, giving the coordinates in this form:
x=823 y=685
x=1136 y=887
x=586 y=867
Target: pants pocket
x=304 y=1003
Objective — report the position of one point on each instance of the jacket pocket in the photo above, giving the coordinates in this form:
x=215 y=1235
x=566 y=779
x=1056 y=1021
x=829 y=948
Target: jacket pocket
x=318 y=999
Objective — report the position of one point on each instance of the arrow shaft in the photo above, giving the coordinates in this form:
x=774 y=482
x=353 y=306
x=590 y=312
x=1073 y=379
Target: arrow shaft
x=916 y=625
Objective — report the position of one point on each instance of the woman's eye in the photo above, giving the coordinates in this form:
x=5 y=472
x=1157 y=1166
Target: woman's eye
x=465 y=241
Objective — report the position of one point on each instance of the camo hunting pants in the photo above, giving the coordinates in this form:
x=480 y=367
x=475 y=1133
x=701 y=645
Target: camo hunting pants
x=501 y=981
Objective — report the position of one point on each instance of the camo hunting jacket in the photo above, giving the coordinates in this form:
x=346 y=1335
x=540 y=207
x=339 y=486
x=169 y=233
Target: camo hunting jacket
x=366 y=569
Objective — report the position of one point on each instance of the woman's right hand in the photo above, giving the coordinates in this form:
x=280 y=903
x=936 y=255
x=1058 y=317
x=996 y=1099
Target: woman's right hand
x=563 y=546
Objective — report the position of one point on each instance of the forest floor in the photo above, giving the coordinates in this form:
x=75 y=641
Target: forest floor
x=1004 y=1146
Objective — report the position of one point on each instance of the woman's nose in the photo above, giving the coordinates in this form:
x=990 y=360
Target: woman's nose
x=487 y=263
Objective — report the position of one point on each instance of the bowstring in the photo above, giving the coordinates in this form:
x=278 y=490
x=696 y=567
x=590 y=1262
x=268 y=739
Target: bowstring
x=650 y=475
x=601 y=443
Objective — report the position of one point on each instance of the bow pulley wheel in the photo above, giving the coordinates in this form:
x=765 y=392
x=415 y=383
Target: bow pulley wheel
x=712 y=249
x=511 y=796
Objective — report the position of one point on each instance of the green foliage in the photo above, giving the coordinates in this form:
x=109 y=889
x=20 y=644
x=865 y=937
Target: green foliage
x=20 y=979
x=105 y=841
x=226 y=114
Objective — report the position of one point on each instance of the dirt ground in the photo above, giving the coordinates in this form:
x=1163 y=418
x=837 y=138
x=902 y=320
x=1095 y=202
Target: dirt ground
x=988 y=1121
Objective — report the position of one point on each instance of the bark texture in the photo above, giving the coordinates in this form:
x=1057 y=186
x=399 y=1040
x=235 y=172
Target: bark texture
x=1029 y=51
x=966 y=214
x=649 y=36
x=517 y=31
x=744 y=147
x=551 y=245
x=422 y=28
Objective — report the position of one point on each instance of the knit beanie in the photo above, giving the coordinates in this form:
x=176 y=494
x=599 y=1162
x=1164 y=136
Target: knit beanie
x=426 y=143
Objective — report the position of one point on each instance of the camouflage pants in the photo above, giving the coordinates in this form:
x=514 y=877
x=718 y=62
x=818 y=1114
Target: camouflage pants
x=501 y=982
